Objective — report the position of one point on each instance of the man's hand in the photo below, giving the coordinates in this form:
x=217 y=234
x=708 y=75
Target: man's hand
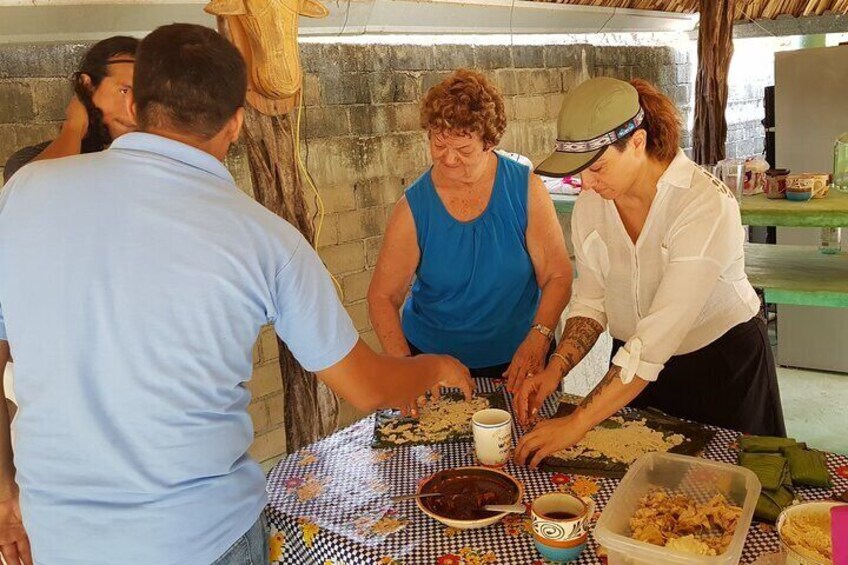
x=548 y=437
x=529 y=359
x=452 y=374
x=14 y=543
x=533 y=392
x=412 y=409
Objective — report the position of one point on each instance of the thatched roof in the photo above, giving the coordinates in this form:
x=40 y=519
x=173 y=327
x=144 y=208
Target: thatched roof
x=745 y=9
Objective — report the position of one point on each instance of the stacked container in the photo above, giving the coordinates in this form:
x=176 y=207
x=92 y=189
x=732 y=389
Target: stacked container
x=696 y=478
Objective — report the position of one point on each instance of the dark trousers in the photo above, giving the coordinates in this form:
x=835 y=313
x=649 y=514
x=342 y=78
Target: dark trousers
x=493 y=372
x=731 y=383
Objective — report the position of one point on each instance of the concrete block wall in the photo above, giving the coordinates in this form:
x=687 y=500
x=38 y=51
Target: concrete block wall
x=751 y=70
x=267 y=407
x=34 y=89
x=671 y=69
x=364 y=143
x=361 y=140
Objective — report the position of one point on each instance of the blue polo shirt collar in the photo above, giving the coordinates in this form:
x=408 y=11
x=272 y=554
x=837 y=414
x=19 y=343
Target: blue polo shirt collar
x=172 y=149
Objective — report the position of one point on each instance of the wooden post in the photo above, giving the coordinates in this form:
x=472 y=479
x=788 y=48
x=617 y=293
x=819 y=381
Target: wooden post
x=715 y=49
x=311 y=408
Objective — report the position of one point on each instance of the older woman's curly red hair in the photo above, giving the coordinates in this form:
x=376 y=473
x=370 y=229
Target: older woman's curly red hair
x=465 y=102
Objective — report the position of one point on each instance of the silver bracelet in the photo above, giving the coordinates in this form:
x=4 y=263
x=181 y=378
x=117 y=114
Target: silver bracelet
x=566 y=367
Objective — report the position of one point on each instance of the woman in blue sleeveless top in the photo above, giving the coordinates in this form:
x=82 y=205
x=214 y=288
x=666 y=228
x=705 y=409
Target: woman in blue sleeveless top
x=479 y=234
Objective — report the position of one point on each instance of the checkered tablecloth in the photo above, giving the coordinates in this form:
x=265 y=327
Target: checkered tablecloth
x=329 y=504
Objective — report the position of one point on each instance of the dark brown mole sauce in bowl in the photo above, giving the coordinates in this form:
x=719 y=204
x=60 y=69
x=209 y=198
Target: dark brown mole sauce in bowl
x=466 y=491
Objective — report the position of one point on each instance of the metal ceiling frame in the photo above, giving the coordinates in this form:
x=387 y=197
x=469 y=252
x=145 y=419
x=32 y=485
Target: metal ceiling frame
x=69 y=20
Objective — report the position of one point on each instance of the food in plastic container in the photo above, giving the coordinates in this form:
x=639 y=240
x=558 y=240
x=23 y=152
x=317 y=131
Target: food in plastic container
x=804 y=531
x=677 y=521
x=699 y=480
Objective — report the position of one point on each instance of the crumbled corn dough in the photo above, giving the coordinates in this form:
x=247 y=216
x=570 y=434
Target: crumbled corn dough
x=438 y=420
x=679 y=523
x=624 y=445
x=690 y=544
x=807 y=532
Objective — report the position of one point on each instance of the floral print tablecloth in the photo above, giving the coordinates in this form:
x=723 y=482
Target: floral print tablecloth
x=329 y=504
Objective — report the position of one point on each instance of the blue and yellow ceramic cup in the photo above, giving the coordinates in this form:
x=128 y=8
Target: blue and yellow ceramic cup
x=560 y=525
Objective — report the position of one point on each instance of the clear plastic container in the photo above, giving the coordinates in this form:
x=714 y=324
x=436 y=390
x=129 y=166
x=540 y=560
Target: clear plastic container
x=697 y=478
x=840 y=163
x=831 y=241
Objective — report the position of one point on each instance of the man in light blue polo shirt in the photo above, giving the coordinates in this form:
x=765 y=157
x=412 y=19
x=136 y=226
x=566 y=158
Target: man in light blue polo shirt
x=133 y=284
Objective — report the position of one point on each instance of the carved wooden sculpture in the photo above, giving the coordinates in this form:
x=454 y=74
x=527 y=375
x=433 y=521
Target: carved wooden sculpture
x=265 y=31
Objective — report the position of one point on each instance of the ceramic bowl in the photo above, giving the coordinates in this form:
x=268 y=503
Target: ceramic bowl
x=798 y=196
x=804 y=186
x=793 y=557
x=512 y=489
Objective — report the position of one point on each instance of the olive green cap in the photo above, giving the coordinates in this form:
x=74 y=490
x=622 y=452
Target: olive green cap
x=593 y=116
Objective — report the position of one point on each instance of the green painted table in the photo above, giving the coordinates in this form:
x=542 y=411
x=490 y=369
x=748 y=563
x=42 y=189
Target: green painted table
x=828 y=212
x=564 y=203
x=758 y=210
x=789 y=274
x=796 y=274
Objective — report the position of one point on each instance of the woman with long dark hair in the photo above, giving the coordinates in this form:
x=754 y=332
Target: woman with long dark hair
x=98 y=112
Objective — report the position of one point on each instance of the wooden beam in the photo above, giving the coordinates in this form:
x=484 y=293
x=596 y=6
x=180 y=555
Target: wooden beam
x=311 y=408
x=746 y=9
x=715 y=49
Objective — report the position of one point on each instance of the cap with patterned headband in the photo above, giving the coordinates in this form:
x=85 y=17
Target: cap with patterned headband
x=593 y=116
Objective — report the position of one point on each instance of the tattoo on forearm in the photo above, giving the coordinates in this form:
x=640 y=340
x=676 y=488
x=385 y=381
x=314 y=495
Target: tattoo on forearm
x=578 y=338
x=612 y=375
x=582 y=333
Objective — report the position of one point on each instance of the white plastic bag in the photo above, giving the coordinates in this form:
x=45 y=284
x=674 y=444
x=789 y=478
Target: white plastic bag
x=755 y=175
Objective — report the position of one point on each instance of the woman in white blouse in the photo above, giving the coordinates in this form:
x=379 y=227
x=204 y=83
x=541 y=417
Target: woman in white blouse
x=660 y=262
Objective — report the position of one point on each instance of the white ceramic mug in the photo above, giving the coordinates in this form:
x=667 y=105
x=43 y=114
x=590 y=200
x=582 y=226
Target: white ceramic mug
x=492 y=436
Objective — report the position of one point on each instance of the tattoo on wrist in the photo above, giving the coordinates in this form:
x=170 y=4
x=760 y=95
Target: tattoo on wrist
x=612 y=374
x=568 y=363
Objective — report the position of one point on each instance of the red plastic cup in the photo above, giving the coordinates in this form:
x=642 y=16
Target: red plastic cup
x=839 y=534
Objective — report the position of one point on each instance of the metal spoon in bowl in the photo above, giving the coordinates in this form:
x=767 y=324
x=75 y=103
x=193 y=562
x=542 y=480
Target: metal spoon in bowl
x=512 y=508
x=405 y=497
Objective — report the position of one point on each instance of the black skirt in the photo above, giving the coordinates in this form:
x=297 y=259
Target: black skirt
x=731 y=383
